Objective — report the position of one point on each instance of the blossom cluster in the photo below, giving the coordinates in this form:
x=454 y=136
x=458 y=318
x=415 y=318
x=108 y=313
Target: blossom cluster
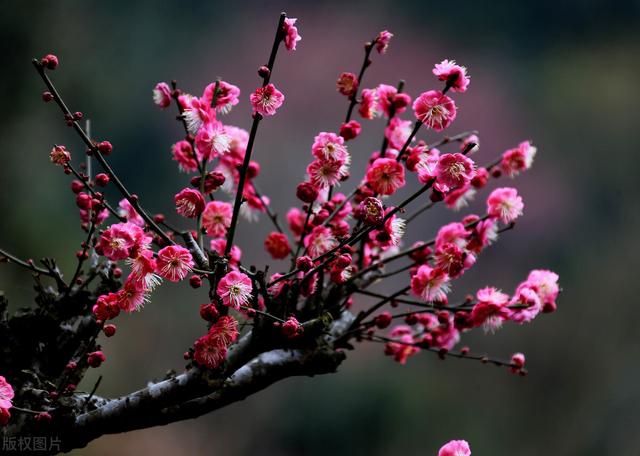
x=337 y=244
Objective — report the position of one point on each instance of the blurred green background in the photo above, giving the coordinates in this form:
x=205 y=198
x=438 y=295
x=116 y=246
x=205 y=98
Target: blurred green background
x=564 y=74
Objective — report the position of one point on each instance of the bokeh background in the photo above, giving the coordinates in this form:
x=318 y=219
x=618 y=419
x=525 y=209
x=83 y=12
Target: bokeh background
x=564 y=74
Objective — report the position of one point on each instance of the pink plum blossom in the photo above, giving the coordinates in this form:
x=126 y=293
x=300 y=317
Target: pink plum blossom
x=454 y=74
x=454 y=170
x=434 y=109
x=292 y=36
x=189 y=203
x=235 y=289
x=455 y=448
x=430 y=284
x=266 y=100
x=385 y=176
x=162 y=95
x=174 y=263
x=216 y=218
x=505 y=204
x=382 y=41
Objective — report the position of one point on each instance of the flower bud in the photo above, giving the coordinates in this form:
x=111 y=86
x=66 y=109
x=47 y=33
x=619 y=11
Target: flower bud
x=109 y=330
x=383 y=320
x=350 y=130
x=102 y=179
x=291 y=328
x=264 y=72
x=105 y=147
x=49 y=61
x=209 y=312
x=95 y=359
x=43 y=417
x=371 y=211
x=195 y=281
x=304 y=263
x=83 y=200
x=253 y=169
x=306 y=192
x=60 y=155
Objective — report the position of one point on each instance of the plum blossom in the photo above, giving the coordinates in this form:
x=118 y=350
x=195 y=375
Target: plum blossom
x=216 y=218
x=212 y=140
x=350 y=130
x=347 y=84
x=185 y=156
x=162 y=95
x=329 y=146
x=505 y=204
x=455 y=448
x=196 y=112
x=434 y=109
x=527 y=304
x=60 y=155
x=291 y=36
x=133 y=295
x=219 y=246
x=369 y=104
x=209 y=352
x=398 y=132
x=6 y=393
x=385 y=176
x=143 y=268
x=122 y=240
x=390 y=233
x=211 y=349
x=106 y=307
x=454 y=233
x=235 y=289
x=545 y=283
x=460 y=197
x=327 y=173
x=266 y=100
x=519 y=159
x=454 y=74
x=491 y=309
x=277 y=245
x=430 y=284
x=174 y=263
x=189 y=203
x=382 y=41
x=127 y=211
x=402 y=347
x=454 y=170
x=227 y=97
x=320 y=241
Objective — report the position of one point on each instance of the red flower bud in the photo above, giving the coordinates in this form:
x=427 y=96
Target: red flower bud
x=109 y=330
x=209 y=312
x=76 y=186
x=383 y=320
x=195 y=281
x=350 y=130
x=95 y=359
x=304 y=263
x=105 y=147
x=306 y=192
x=102 y=179
x=49 y=61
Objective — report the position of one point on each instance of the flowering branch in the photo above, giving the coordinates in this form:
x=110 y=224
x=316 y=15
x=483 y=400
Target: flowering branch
x=260 y=327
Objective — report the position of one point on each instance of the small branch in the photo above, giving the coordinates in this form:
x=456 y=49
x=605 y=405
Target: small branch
x=272 y=216
x=25 y=264
x=96 y=152
x=252 y=136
